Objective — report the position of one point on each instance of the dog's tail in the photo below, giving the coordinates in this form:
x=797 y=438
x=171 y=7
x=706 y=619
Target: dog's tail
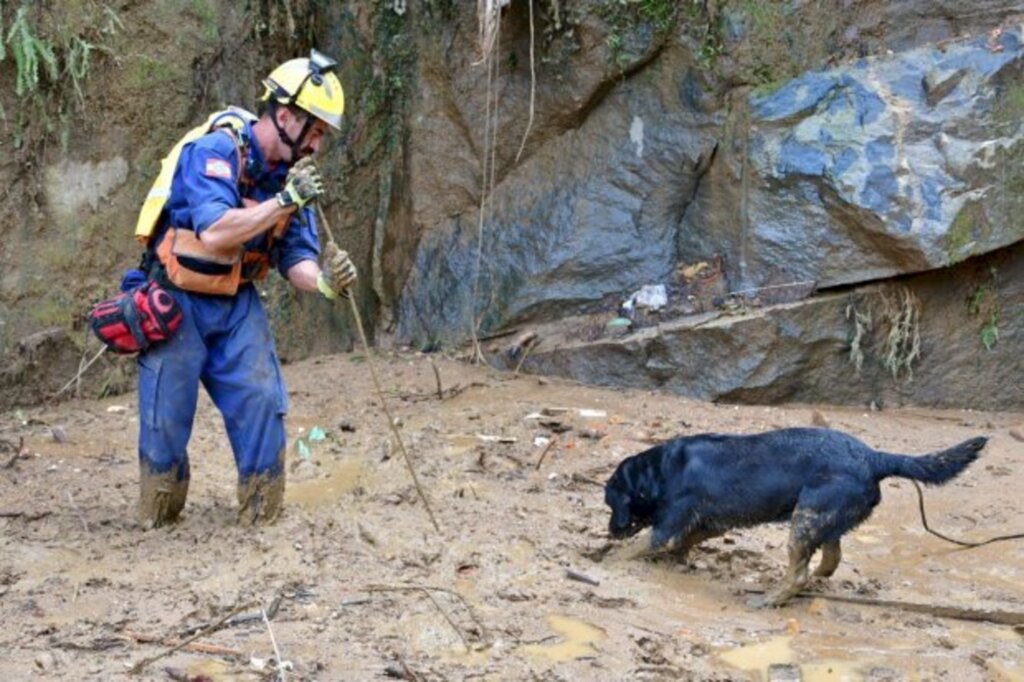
x=934 y=469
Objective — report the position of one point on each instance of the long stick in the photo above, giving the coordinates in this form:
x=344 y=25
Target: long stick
x=194 y=646
x=138 y=667
x=428 y=590
x=942 y=611
x=277 y=652
x=380 y=390
x=81 y=371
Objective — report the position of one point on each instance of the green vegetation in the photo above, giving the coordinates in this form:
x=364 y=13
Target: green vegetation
x=983 y=303
x=207 y=15
x=861 y=327
x=629 y=20
x=970 y=224
x=902 y=346
x=145 y=71
x=30 y=52
x=894 y=326
x=52 y=54
x=385 y=99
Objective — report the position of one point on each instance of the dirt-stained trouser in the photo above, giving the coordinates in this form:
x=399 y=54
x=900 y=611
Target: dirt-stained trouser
x=225 y=344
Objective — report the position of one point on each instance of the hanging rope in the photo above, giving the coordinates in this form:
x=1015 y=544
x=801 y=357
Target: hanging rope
x=487 y=173
x=380 y=390
x=533 y=86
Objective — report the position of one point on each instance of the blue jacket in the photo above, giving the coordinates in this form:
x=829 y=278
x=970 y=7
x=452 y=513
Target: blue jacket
x=206 y=185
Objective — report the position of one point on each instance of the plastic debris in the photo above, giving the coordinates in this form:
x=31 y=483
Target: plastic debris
x=653 y=297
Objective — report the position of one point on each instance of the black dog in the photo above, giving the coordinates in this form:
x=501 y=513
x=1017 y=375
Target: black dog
x=824 y=482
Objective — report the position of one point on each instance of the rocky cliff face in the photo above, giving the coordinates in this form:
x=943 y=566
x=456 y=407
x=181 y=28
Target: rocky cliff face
x=778 y=167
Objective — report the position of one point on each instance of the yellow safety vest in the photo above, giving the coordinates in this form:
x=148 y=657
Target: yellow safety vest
x=232 y=117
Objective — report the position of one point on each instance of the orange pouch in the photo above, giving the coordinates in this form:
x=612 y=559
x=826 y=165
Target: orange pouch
x=193 y=267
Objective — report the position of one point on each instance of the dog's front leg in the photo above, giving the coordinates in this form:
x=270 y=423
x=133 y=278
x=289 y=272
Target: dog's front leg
x=678 y=520
x=694 y=538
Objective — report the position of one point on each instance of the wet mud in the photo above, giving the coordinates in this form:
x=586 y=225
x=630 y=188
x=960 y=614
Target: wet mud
x=522 y=583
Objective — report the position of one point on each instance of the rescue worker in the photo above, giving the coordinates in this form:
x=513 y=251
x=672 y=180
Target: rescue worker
x=239 y=203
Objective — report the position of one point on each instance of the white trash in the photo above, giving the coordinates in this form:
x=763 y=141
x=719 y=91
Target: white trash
x=653 y=297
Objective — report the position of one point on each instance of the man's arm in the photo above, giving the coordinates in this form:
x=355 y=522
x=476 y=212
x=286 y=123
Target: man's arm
x=303 y=275
x=239 y=225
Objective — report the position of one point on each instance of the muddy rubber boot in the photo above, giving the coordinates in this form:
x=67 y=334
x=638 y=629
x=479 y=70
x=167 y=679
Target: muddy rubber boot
x=260 y=499
x=161 y=497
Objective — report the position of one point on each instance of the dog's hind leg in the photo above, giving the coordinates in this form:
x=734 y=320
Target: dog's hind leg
x=804 y=539
x=831 y=555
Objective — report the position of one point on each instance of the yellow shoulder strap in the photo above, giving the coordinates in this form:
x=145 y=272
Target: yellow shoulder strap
x=160 y=191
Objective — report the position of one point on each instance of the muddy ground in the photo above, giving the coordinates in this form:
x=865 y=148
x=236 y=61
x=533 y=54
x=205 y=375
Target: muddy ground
x=85 y=594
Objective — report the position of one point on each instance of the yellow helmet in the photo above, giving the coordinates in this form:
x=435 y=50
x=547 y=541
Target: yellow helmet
x=309 y=84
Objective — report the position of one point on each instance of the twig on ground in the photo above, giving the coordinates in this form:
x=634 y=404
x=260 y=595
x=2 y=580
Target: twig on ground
x=437 y=376
x=28 y=516
x=551 y=444
x=78 y=512
x=979 y=615
x=223 y=622
x=526 y=354
x=581 y=577
x=427 y=590
x=198 y=647
x=81 y=370
x=273 y=641
x=18 y=454
x=448 y=618
x=235 y=621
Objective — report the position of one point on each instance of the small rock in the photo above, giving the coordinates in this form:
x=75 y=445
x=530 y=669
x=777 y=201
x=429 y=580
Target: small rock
x=784 y=672
x=59 y=435
x=515 y=594
x=117 y=409
x=818 y=419
x=46 y=661
x=818 y=607
x=1017 y=434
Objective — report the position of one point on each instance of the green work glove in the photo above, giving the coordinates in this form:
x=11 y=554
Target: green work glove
x=337 y=273
x=303 y=184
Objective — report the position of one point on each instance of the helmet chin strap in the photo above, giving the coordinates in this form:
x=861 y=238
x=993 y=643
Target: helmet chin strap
x=293 y=145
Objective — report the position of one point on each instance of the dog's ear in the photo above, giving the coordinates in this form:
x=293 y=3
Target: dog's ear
x=622 y=519
x=617 y=496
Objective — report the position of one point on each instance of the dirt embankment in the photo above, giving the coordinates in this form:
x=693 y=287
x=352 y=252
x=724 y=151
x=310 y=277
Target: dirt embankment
x=85 y=594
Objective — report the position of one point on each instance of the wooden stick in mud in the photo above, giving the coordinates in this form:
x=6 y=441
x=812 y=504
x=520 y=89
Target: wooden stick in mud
x=141 y=665
x=1015 y=618
x=437 y=376
x=427 y=591
x=81 y=370
x=273 y=641
x=380 y=390
x=544 y=454
x=581 y=577
x=198 y=647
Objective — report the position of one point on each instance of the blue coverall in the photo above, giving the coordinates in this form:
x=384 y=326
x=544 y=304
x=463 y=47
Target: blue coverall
x=224 y=341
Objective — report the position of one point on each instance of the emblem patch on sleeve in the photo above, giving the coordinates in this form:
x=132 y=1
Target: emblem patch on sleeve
x=218 y=168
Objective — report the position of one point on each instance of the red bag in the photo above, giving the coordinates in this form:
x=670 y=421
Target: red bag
x=133 y=321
